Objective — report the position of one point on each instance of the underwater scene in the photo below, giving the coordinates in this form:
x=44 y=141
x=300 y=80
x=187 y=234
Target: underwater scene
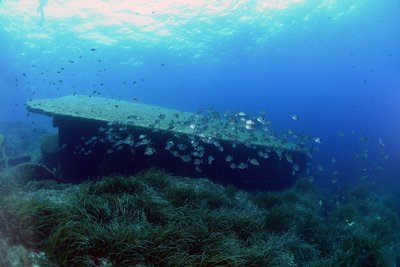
x=200 y=133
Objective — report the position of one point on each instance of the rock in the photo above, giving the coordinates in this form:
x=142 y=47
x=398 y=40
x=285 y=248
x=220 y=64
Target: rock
x=17 y=255
x=25 y=173
x=18 y=160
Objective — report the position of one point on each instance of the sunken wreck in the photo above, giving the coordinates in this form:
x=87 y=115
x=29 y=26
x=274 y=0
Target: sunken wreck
x=100 y=136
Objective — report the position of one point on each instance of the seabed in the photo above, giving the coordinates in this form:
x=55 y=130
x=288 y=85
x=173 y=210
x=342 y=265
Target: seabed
x=139 y=209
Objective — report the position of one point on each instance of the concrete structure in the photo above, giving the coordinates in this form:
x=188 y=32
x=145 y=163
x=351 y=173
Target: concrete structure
x=101 y=136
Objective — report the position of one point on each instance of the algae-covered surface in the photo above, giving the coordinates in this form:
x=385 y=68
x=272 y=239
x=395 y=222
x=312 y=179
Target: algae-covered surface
x=106 y=110
x=155 y=219
x=234 y=127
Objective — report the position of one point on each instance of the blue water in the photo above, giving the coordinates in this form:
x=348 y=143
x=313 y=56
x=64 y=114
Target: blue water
x=334 y=64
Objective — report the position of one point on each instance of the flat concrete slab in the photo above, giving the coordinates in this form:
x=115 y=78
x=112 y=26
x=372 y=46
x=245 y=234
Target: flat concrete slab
x=99 y=136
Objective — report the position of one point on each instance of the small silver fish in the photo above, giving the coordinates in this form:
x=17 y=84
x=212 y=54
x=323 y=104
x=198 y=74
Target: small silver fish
x=254 y=161
x=142 y=142
x=197 y=162
x=181 y=146
x=229 y=158
x=200 y=148
x=63 y=146
x=169 y=145
x=194 y=143
x=381 y=141
x=320 y=168
x=261 y=120
x=249 y=122
x=150 y=151
x=295 y=168
x=186 y=158
x=242 y=165
x=289 y=158
x=263 y=154
x=248 y=127
x=210 y=159
x=174 y=153
x=198 y=154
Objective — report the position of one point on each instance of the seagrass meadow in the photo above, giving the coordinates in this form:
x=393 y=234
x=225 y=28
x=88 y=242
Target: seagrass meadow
x=155 y=219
